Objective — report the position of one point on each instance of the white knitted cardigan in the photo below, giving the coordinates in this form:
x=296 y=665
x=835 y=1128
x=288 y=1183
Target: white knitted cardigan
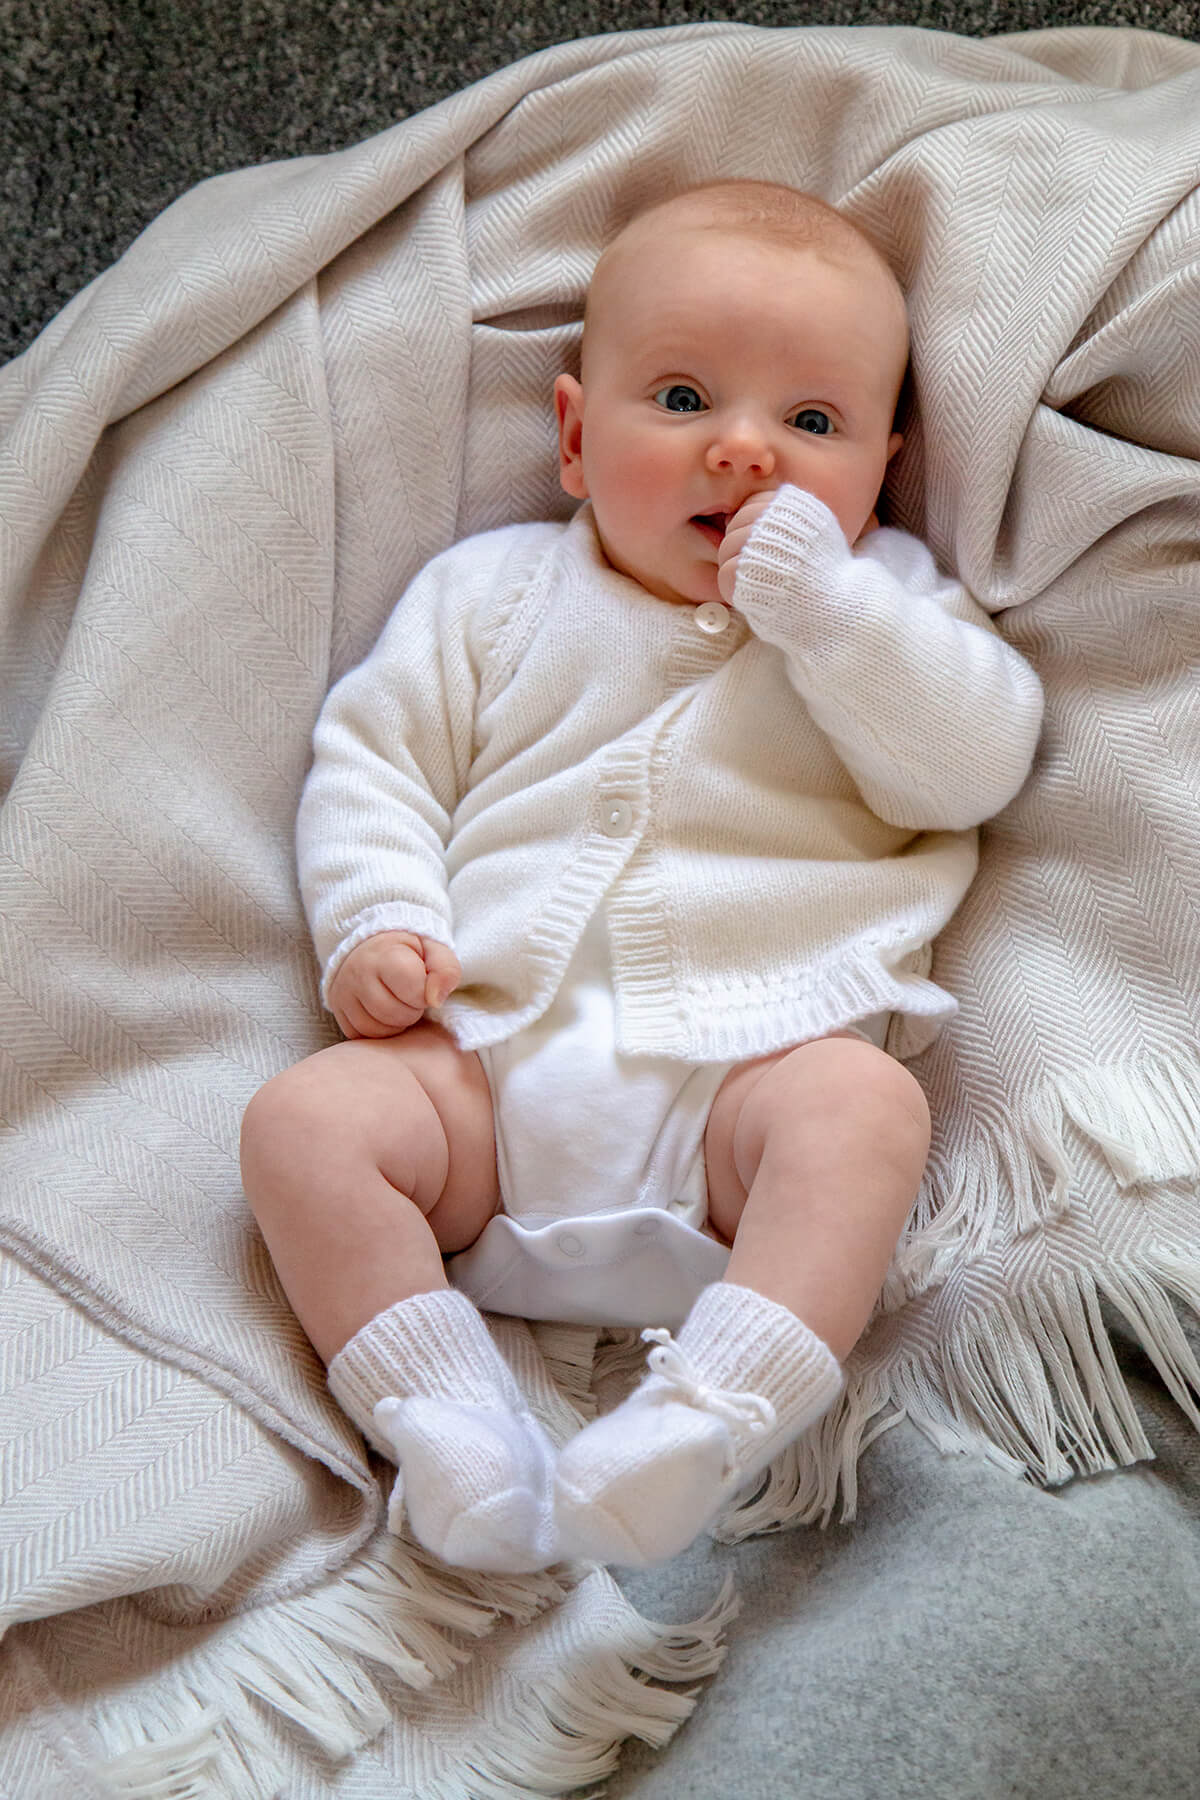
x=218 y=467
x=768 y=878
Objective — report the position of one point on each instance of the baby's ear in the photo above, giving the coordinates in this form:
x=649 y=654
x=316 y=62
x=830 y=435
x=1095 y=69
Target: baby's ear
x=568 y=401
x=894 y=443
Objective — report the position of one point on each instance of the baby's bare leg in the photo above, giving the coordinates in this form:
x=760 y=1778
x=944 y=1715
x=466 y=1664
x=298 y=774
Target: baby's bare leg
x=363 y=1164
x=814 y=1159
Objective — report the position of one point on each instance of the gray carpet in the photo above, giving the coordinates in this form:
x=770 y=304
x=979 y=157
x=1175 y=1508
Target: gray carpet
x=110 y=110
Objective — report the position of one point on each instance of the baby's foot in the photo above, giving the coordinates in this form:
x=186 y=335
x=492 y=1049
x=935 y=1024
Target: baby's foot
x=476 y=1482
x=638 y=1485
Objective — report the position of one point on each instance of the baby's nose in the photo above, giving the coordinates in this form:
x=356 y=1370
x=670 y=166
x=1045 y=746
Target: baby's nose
x=741 y=449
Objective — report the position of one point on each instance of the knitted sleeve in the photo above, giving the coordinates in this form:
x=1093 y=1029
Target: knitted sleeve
x=391 y=752
x=933 y=714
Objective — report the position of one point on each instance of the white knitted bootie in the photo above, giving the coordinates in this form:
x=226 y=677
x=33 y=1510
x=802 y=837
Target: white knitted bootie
x=744 y=1378
x=428 y=1387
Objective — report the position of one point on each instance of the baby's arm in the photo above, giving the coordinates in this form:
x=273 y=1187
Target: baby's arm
x=391 y=754
x=933 y=714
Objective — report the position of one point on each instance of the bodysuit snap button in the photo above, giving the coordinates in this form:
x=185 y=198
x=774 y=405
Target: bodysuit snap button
x=569 y=1244
x=712 y=617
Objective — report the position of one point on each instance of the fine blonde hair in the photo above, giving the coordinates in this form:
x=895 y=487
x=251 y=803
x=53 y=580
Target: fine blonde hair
x=766 y=210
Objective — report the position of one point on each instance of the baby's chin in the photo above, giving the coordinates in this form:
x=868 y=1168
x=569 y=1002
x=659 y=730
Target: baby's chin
x=695 y=590
x=689 y=584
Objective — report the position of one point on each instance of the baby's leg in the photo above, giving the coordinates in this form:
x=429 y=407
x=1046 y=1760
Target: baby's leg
x=362 y=1165
x=814 y=1157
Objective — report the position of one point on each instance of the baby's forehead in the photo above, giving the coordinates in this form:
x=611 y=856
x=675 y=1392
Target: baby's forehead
x=650 y=271
x=659 y=291
x=696 y=223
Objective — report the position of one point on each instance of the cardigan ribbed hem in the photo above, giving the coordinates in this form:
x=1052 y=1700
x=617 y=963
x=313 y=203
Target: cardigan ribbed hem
x=662 y=1021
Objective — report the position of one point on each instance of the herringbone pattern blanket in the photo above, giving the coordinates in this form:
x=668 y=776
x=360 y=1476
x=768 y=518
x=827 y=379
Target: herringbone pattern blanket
x=218 y=469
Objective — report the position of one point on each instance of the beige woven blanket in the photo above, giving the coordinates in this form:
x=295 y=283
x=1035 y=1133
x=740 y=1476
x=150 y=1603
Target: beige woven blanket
x=218 y=468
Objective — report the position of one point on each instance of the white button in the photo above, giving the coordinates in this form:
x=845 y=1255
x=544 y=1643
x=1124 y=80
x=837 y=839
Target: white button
x=569 y=1244
x=616 y=818
x=712 y=617
x=647 y=1228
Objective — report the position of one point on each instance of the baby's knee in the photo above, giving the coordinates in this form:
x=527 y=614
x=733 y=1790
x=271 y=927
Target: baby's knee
x=286 y=1120
x=268 y=1123
x=870 y=1078
x=843 y=1083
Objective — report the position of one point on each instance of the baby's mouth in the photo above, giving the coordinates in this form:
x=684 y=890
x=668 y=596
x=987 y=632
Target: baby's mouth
x=711 y=524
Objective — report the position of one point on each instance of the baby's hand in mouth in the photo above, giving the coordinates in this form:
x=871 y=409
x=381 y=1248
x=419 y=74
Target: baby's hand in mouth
x=737 y=530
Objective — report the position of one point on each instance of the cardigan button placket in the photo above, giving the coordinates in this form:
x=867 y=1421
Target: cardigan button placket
x=711 y=617
x=616 y=819
x=705 y=638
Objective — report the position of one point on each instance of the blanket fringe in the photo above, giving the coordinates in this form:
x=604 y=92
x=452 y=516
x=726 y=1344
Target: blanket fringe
x=565 y=1730
x=1146 y=1120
x=204 y=1733
x=1013 y=1172
x=196 y=1762
x=569 y=1353
x=1032 y=1385
x=305 y=1661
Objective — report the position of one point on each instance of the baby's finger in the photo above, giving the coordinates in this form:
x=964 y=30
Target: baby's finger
x=732 y=544
x=750 y=511
x=388 y=1011
x=443 y=971
x=737 y=536
x=354 y=1021
x=400 y=974
x=727 y=568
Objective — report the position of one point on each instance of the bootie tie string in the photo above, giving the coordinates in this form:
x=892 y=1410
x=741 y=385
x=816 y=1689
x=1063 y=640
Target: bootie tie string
x=750 y=1412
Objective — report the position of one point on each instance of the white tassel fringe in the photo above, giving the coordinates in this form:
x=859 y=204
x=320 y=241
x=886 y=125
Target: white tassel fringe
x=1031 y=1385
x=203 y=1728
x=1005 y=1174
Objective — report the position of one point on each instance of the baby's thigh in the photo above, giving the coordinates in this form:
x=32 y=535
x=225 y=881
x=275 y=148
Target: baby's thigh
x=415 y=1108
x=727 y=1190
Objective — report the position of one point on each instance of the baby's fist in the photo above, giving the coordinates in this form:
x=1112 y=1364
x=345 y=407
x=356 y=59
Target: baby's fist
x=386 y=983
x=734 y=542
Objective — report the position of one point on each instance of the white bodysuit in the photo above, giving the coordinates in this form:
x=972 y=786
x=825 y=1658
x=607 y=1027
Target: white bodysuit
x=601 y=1163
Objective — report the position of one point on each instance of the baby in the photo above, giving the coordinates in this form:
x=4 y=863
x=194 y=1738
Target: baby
x=623 y=851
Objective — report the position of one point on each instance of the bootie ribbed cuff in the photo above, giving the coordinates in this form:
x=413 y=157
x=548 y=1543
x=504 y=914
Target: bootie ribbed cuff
x=434 y=1345
x=746 y=1343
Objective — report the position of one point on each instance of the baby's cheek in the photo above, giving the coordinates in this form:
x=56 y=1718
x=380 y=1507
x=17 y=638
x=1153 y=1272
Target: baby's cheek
x=619 y=498
x=643 y=480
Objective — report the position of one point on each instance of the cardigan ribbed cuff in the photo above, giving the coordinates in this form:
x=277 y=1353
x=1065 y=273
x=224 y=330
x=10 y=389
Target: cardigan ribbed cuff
x=796 y=543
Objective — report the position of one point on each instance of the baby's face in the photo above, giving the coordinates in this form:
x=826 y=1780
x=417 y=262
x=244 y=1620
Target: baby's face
x=717 y=367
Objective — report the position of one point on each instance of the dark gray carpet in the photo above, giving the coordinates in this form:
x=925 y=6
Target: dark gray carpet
x=111 y=109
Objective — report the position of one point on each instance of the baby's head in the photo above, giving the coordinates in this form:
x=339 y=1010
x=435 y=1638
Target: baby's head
x=737 y=336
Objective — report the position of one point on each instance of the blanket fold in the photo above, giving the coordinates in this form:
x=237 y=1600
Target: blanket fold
x=218 y=469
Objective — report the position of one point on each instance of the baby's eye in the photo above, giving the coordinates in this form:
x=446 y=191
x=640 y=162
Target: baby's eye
x=680 y=398
x=811 y=418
